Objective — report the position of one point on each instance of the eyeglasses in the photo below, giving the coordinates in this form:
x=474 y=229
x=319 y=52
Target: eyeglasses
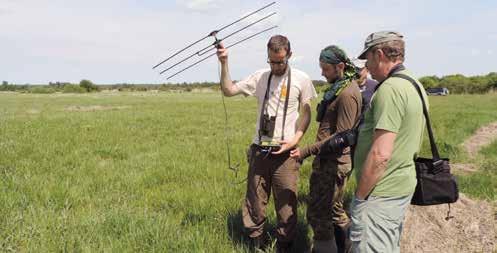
x=277 y=63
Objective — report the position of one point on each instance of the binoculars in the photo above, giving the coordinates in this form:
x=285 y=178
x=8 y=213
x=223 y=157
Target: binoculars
x=267 y=125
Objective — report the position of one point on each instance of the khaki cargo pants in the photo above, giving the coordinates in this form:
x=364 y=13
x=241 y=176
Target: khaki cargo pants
x=280 y=174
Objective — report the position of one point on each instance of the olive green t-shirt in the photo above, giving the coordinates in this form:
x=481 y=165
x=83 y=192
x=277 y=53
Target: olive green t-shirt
x=395 y=107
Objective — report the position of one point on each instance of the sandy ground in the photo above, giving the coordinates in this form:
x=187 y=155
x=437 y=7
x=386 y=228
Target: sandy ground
x=472 y=228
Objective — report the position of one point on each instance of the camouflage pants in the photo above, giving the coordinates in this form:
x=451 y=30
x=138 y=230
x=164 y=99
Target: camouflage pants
x=327 y=189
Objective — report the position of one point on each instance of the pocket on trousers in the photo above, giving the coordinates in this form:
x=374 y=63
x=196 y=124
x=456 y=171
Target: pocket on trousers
x=358 y=207
x=356 y=235
x=247 y=153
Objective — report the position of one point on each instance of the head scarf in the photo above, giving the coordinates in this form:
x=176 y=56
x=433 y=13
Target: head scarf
x=335 y=55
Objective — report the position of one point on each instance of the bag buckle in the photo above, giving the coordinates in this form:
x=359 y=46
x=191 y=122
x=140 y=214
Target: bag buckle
x=438 y=166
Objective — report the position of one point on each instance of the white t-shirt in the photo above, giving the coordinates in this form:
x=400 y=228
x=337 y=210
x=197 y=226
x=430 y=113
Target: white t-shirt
x=301 y=91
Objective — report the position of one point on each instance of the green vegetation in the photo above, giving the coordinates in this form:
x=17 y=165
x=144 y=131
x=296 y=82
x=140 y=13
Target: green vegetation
x=135 y=171
x=457 y=117
x=483 y=184
x=457 y=84
x=71 y=88
x=88 y=85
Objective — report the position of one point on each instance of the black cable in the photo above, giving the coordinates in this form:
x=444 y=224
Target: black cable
x=235 y=168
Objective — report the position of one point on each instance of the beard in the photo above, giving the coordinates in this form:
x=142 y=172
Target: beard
x=332 y=81
x=279 y=72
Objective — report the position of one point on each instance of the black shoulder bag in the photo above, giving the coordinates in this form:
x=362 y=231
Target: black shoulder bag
x=436 y=185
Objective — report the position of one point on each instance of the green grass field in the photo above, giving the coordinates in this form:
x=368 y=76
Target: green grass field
x=149 y=173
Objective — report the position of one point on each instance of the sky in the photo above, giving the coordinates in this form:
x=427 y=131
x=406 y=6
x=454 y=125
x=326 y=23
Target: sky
x=119 y=41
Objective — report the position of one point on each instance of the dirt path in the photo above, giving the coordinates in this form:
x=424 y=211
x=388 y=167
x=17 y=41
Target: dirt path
x=474 y=223
x=472 y=228
x=483 y=137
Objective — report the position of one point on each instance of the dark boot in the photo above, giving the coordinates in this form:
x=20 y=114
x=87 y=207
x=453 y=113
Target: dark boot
x=284 y=247
x=328 y=246
x=344 y=244
x=260 y=242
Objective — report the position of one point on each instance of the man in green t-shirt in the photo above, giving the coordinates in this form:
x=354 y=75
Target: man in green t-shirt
x=389 y=139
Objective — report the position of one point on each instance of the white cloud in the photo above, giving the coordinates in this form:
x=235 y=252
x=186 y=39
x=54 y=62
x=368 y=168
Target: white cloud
x=119 y=41
x=4 y=11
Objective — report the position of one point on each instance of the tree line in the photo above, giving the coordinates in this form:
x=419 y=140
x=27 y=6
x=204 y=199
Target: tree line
x=456 y=84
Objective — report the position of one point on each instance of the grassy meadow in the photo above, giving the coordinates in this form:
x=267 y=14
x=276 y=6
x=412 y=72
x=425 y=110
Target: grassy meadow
x=135 y=172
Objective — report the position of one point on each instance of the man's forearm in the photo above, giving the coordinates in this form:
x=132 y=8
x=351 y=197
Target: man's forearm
x=226 y=83
x=372 y=172
x=376 y=162
x=304 y=121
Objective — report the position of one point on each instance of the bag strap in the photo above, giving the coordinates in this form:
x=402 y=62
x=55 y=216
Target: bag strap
x=266 y=97
x=434 y=149
x=289 y=81
x=285 y=108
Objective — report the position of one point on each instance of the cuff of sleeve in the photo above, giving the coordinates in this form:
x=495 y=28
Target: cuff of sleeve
x=305 y=152
x=387 y=128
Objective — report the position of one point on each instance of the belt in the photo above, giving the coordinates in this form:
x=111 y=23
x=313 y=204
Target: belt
x=267 y=150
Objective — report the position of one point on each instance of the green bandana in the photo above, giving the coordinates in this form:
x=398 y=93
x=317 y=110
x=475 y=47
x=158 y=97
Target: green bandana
x=330 y=94
x=335 y=55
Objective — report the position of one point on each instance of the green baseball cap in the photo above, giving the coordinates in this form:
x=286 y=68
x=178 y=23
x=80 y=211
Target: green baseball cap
x=377 y=38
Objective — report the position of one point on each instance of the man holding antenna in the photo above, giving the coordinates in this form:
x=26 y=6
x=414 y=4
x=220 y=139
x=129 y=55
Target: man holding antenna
x=281 y=92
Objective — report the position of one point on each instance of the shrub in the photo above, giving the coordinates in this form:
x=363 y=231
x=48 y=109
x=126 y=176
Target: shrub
x=42 y=90
x=72 y=88
x=88 y=85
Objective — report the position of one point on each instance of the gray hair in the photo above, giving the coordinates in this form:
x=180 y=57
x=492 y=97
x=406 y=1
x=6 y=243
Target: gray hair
x=393 y=50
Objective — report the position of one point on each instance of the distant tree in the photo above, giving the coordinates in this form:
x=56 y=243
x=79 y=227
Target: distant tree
x=456 y=83
x=88 y=85
x=429 y=81
x=56 y=85
x=492 y=79
x=6 y=87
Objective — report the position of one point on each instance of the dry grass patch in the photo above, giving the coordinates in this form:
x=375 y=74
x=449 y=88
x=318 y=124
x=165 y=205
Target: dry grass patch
x=93 y=108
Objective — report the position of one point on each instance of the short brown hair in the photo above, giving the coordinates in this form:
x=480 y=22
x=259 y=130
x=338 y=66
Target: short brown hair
x=393 y=50
x=279 y=42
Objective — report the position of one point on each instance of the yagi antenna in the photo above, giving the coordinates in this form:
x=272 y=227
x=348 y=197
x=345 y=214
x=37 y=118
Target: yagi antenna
x=205 y=58
x=210 y=47
x=216 y=42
